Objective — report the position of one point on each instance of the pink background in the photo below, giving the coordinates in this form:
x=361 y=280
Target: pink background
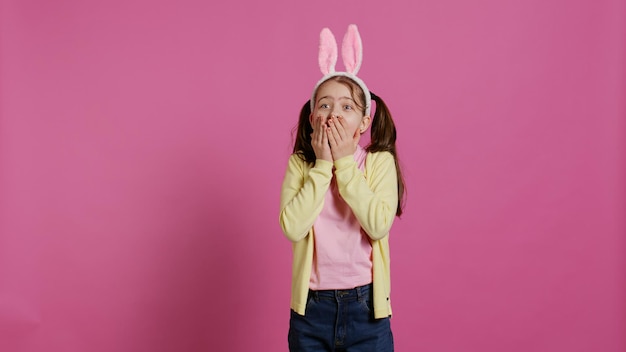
x=143 y=144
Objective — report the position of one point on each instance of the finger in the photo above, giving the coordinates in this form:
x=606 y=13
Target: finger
x=322 y=126
x=341 y=127
x=334 y=125
x=315 y=137
x=341 y=120
x=331 y=137
x=319 y=130
x=342 y=123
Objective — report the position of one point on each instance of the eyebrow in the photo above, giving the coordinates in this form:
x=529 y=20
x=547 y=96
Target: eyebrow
x=329 y=97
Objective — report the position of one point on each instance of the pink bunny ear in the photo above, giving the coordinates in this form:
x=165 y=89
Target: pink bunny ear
x=328 y=52
x=352 y=50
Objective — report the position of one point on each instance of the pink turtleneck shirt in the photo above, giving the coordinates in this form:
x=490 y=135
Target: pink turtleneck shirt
x=342 y=256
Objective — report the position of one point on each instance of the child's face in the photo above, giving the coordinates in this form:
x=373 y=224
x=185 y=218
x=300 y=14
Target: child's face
x=334 y=99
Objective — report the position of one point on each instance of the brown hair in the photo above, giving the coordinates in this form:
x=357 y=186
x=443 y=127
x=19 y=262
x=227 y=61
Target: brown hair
x=383 y=131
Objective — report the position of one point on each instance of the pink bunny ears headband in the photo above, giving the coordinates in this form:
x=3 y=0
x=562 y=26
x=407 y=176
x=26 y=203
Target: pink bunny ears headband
x=352 y=55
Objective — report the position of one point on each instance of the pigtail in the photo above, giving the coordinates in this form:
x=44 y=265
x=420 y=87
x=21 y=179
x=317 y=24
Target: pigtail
x=383 y=139
x=383 y=129
x=302 y=145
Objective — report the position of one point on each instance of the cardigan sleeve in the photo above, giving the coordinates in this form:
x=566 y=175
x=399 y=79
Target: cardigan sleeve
x=302 y=196
x=373 y=197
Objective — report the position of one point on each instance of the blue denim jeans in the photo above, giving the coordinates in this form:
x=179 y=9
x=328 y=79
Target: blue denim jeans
x=340 y=320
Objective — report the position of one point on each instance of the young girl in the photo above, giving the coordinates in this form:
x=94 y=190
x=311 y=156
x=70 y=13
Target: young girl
x=338 y=202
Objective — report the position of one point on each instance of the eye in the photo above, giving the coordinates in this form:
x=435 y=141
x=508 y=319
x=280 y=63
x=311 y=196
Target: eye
x=347 y=107
x=324 y=106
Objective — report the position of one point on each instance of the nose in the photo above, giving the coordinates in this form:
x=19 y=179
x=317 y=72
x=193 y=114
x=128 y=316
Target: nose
x=336 y=111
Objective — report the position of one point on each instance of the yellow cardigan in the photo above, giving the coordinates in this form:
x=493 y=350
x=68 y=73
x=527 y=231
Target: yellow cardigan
x=373 y=197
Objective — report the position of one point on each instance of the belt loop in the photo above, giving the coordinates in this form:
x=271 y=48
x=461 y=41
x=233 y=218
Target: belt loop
x=359 y=293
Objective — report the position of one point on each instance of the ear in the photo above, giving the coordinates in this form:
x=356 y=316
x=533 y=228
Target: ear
x=365 y=123
x=328 y=52
x=352 y=50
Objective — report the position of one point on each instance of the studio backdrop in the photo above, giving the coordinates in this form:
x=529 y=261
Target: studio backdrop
x=143 y=146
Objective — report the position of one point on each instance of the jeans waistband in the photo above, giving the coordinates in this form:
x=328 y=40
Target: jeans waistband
x=352 y=294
